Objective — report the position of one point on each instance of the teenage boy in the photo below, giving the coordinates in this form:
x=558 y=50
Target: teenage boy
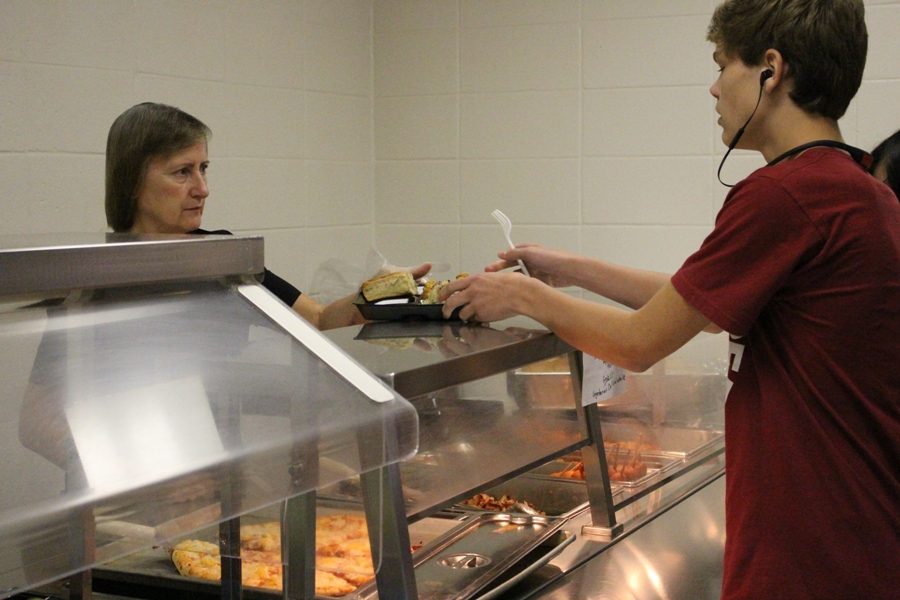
x=802 y=269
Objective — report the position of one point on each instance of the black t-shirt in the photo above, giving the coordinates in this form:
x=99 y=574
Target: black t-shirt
x=286 y=292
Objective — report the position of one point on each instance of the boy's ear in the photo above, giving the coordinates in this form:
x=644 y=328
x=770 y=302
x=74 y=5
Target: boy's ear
x=774 y=66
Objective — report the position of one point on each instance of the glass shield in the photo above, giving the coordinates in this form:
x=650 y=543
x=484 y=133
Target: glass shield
x=478 y=421
x=138 y=414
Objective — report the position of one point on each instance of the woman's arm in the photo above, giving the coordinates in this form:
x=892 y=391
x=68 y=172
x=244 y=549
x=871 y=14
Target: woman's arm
x=340 y=313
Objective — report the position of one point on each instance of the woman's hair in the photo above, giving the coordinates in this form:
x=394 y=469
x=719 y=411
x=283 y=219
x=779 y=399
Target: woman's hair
x=887 y=156
x=823 y=42
x=141 y=133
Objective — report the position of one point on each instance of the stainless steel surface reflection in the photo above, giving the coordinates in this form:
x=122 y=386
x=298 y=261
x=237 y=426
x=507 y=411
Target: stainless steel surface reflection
x=134 y=413
x=418 y=357
x=473 y=429
x=676 y=556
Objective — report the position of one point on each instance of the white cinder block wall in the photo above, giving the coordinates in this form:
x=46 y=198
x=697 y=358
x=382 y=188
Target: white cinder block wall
x=286 y=87
x=339 y=123
x=588 y=122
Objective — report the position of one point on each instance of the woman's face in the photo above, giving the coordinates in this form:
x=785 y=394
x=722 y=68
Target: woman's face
x=171 y=197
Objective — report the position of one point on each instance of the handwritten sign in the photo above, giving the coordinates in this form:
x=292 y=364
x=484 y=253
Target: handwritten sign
x=602 y=380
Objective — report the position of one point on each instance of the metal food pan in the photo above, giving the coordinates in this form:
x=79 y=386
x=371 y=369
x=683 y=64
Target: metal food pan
x=657 y=463
x=472 y=556
x=683 y=442
x=153 y=574
x=688 y=443
x=553 y=496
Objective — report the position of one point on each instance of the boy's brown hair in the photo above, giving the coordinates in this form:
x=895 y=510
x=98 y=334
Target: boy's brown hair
x=823 y=42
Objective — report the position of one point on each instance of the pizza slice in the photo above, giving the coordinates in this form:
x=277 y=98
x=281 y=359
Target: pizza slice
x=200 y=559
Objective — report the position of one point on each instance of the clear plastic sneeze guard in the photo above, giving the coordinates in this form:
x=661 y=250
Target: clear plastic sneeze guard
x=475 y=428
x=132 y=413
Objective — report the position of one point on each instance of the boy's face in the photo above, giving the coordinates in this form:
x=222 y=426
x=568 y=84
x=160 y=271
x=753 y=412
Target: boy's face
x=736 y=91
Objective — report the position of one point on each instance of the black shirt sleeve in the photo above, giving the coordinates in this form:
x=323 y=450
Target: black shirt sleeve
x=286 y=292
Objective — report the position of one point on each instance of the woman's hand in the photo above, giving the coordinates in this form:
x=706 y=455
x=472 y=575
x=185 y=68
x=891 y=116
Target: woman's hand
x=417 y=272
x=545 y=264
x=420 y=271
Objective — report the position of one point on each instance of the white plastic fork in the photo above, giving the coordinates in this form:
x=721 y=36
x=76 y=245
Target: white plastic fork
x=506 y=225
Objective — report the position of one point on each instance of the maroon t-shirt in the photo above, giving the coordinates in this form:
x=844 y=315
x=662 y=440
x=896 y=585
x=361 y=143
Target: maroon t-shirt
x=803 y=270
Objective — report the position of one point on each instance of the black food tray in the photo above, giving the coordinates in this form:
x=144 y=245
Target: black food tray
x=410 y=310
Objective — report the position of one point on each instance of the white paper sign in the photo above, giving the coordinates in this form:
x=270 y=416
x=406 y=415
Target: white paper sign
x=602 y=380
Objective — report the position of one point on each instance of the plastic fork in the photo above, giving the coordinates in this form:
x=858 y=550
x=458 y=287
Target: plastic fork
x=506 y=225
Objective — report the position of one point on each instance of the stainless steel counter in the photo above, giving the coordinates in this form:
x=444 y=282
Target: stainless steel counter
x=474 y=429
x=152 y=387
x=287 y=411
x=491 y=423
x=676 y=555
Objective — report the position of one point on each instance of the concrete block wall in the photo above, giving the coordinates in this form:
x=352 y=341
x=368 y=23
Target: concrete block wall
x=588 y=122
x=285 y=85
x=339 y=124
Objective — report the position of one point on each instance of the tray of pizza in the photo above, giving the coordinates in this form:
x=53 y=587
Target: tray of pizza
x=456 y=558
x=191 y=567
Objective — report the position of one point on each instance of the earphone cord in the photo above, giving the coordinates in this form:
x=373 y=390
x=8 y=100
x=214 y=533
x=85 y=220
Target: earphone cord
x=737 y=138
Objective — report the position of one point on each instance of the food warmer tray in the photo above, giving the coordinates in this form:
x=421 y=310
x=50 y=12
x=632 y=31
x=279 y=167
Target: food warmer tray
x=658 y=463
x=554 y=496
x=467 y=421
x=502 y=549
x=483 y=548
x=681 y=442
x=229 y=402
x=152 y=575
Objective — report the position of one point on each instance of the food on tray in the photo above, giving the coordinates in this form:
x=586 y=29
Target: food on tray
x=343 y=555
x=622 y=464
x=571 y=457
x=431 y=291
x=639 y=445
x=572 y=471
x=389 y=285
x=502 y=504
x=625 y=466
x=402 y=285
